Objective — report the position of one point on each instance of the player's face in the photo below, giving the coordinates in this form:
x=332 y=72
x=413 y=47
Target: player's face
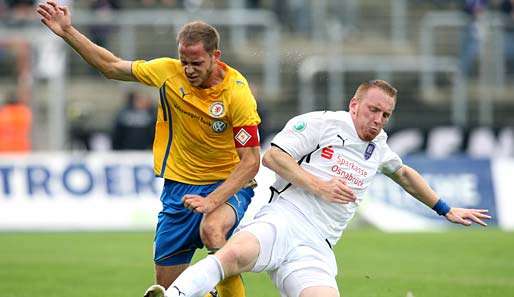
x=198 y=65
x=371 y=113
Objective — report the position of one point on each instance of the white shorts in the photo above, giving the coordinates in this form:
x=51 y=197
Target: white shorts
x=292 y=251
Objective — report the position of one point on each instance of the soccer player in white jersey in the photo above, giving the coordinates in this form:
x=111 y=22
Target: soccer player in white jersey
x=324 y=162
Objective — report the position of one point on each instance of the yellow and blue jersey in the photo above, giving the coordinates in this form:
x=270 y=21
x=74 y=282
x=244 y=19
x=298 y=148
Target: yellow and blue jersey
x=194 y=140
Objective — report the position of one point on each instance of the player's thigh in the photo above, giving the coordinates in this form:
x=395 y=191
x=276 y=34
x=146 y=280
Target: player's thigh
x=319 y=291
x=176 y=238
x=309 y=282
x=310 y=265
x=222 y=219
x=226 y=217
x=270 y=246
x=166 y=275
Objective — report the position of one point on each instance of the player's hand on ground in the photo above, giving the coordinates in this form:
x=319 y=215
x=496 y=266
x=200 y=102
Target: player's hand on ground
x=198 y=203
x=466 y=216
x=55 y=17
x=336 y=191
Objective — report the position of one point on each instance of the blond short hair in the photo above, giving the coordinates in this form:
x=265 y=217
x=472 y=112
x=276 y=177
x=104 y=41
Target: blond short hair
x=386 y=87
x=198 y=31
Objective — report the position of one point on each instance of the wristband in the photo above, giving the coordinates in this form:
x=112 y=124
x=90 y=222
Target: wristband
x=441 y=207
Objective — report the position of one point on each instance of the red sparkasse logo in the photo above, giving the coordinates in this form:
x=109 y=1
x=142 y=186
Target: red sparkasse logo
x=327 y=152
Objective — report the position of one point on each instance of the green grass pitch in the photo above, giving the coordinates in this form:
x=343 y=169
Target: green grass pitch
x=465 y=262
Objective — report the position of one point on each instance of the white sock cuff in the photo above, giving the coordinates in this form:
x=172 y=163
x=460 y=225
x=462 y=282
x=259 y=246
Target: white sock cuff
x=218 y=264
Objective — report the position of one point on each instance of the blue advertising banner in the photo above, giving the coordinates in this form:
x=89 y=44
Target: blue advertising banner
x=60 y=191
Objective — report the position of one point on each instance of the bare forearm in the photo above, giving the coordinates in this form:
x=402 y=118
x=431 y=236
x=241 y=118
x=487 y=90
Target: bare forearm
x=288 y=169
x=96 y=56
x=333 y=190
x=242 y=174
x=58 y=19
x=410 y=180
x=413 y=183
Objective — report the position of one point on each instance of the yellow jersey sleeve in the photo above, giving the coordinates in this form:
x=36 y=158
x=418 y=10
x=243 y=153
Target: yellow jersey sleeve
x=154 y=72
x=243 y=109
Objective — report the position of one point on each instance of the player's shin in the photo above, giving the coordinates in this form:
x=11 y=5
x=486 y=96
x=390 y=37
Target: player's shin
x=230 y=287
x=198 y=279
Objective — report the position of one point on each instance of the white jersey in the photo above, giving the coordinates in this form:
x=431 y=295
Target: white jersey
x=326 y=144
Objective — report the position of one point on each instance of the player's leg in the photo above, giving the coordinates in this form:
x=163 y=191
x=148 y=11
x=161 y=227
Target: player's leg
x=173 y=246
x=213 y=231
x=319 y=291
x=216 y=225
x=253 y=248
x=309 y=282
x=177 y=234
x=238 y=255
x=219 y=225
x=170 y=255
x=309 y=270
x=165 y=275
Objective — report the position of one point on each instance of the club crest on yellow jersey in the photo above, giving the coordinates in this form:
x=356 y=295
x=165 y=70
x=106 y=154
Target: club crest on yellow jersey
x=217 y=109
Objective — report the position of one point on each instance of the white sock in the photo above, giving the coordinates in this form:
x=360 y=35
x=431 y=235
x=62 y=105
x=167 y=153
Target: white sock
x=197 y=280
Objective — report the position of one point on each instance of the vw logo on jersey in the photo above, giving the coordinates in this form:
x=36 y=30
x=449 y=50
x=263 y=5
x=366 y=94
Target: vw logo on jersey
x=369 y=150
x=219 y=126
x=217 y=109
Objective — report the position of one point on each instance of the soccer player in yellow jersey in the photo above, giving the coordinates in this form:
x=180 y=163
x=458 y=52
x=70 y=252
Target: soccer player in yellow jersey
x=206 y=143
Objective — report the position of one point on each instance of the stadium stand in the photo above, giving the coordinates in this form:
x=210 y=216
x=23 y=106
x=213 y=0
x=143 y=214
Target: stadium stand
x=391 y=28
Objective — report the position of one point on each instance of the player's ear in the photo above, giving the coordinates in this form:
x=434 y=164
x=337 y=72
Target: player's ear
x=216 y=54
x=354 y=103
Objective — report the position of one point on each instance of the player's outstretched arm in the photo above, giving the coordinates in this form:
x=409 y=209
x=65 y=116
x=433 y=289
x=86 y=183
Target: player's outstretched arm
x=58 y=19
x=410 y=180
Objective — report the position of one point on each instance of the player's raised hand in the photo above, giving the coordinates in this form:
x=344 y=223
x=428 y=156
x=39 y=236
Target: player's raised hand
x=336 y=191
x=466 y=216
x=198 y=203
x=55 y=17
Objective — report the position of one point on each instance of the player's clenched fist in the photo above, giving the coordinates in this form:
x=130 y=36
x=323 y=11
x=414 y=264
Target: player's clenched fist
x=55 y=17
x=198 y=203
x=336 y=191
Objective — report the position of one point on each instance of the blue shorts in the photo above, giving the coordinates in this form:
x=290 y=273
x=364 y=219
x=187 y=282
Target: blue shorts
x=178 y=229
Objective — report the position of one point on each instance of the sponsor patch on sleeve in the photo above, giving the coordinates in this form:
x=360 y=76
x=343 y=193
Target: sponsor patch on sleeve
x=246 y=136
x=300 y=126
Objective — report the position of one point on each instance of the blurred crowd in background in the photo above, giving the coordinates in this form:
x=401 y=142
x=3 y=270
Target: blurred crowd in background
x=125 y=118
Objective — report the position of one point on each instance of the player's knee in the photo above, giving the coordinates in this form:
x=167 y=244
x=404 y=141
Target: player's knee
x=231 y=255
x=232 y=259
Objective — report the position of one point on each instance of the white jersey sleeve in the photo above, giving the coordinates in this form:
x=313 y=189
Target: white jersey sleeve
x=391 y=162
x=301 y=135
